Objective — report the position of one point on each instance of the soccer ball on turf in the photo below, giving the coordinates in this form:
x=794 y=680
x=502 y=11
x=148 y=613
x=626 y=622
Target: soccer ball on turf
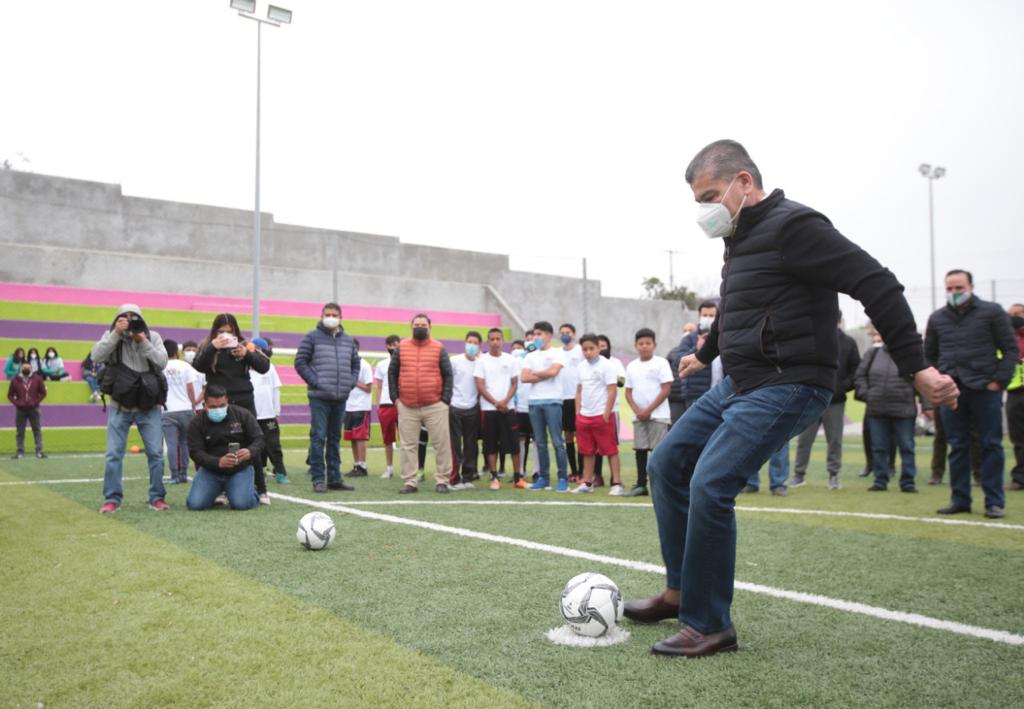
x=316 y=531
x=591 y=604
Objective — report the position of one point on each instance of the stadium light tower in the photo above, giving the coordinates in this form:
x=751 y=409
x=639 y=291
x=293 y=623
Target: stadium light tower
x=276 y=16
x=931 y=174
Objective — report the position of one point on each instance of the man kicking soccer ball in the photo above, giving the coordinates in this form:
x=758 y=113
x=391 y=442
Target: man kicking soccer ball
x=776 y=333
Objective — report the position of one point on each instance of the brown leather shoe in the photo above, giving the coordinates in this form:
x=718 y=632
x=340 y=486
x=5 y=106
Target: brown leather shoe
x=689 y=643
x=651 y=610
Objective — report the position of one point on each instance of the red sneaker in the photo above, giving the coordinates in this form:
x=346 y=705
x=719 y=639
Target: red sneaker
x=109 y=507
x=159 y=506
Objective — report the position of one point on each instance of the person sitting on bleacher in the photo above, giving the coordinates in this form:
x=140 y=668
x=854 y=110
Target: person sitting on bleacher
x=53 y=366
x=91 y=374
x=13 y=365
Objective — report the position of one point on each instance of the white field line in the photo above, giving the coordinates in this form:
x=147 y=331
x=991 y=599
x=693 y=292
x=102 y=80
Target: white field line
x=1000 y=636
x=739 y=508
x=62 y=482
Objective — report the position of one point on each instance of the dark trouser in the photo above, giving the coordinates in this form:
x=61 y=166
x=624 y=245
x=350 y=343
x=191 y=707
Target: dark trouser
x=1015 y=422
x=32 y=416
x=832 y=420
x=464 y=425
x=885 y=432
x=869 y=451
x=271 y=446
x=676 y=410
x=174 y=425
x=421 y=452
x=940 y=446
x=984 y=408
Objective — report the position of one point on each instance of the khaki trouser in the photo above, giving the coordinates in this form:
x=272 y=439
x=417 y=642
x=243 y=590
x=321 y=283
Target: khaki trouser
x=435 y=418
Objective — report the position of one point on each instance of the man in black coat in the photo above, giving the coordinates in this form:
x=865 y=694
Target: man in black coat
x=776 y=333
x=971 y=340
x=833 y=419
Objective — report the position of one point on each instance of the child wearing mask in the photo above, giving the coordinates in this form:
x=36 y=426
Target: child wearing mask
x=387 y=412
x=266 y=389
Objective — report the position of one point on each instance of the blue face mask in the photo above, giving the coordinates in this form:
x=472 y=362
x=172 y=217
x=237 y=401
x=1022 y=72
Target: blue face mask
x=566 y=339
x=472 y=350
x=532 y=345
x=217 y=415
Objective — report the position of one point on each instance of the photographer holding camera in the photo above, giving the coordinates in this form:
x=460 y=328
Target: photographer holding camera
x=134 y=357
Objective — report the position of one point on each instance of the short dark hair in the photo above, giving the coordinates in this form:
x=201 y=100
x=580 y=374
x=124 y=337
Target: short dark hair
x=543 y=326
x=172 y=348
x=645 y=332
x=970 y=278
x=497 y=330
x=519 y=342
x=568 y=325
x=605 y=338
x=355 y=341
x=421 y=315
x=474 y=333
x=270 y=343
x=215 y=391
x=331 y=306
x=707 y=304
x=589 y=337
x=723 y=159
x=189 y=343
x=392 y=339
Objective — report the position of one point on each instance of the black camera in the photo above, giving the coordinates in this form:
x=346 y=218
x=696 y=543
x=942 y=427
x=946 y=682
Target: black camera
x=136 y=324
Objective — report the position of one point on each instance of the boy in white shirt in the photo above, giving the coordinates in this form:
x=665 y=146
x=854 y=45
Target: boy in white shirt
x=188 y=352
x=464 y=415
x=266 y=391
x=524 y=431
x=595 y=425
x=178 y=411
x=497 y=378
x=387 y=412
x=648 y=384
x=357 y=417
x=604 y=346
x=542 y=369
x=573 y=355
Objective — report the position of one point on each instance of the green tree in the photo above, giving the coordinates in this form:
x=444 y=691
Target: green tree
x=655 y=289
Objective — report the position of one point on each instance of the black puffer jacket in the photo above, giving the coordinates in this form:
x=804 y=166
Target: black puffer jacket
x=880 y=385
x=694 y=386
x=849 y=360
x=777 y=319
x=962 y=343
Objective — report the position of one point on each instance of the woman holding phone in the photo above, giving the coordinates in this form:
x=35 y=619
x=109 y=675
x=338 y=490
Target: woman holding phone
x=226 y=358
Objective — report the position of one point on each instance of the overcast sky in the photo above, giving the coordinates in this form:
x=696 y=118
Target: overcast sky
x=548 y=130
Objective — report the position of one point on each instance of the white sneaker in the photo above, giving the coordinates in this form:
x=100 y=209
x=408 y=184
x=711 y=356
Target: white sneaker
x=264 y=499
x=833 y=483
x=221 y=499
x=582 y=487
x=387 y=474
x=615 y=491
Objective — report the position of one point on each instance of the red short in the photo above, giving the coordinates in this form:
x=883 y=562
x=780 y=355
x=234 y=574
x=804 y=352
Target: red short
x=357 y=426
x=388 y=417
x=595 y=436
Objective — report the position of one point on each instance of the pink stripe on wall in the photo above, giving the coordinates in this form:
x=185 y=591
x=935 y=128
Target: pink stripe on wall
x=25 y=292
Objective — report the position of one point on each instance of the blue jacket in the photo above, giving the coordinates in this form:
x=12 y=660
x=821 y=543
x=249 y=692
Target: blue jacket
x=329 y=364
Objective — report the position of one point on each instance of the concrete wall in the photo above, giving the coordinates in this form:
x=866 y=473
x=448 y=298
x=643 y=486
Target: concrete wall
x=60 y=231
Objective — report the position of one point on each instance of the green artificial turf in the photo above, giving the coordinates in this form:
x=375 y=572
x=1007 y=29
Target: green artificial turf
x=476 y=608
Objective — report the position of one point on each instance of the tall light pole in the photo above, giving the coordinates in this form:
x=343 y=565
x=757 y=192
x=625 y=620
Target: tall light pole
x=931 y=174
x=276 y=16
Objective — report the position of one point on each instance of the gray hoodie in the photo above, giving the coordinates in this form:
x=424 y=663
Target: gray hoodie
x=136 y=355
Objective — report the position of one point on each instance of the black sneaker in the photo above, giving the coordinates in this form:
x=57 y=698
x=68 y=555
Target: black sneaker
x=442 y=488
x=911 y=489
x=748 y=490
x=864 y=473
x=877 y=488
x=408 y=490
x=319 y=487
x=637 y=491
x=340 y=485
x=994 y=512
x=357 y=472
x=17 y=456
x=954 y=509
x=41 y=455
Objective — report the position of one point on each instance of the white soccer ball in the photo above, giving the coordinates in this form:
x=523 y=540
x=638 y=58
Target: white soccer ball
x=316 y=531
x=591 y=604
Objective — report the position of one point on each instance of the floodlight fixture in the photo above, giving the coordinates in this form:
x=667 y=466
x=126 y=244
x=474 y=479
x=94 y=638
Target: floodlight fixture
x=938 y=172
x=248 y=6
x=924 y=169
x=279 y=14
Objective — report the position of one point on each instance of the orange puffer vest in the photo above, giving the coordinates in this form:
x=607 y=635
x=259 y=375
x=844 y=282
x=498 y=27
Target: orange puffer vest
x=419 y=378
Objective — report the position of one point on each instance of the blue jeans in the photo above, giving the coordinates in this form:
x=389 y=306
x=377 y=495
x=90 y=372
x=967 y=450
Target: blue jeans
x=91 y=381
x=778 y=470
x=175 y=429
x=118 y=424
x=985 y=409
x=696 y=472
x=545 y=418
x=325 y=439
x=885 y=431
x=206 y=485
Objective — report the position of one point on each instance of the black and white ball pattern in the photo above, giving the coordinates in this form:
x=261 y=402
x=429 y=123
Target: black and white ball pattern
x=316 y=531
x=591 y=604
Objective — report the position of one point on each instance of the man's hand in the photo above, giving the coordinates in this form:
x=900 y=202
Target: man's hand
x=938 y=389
x=139 y=336
x=243 y=455
x=690 y=365
x=120 y=325
x=227 y=461
x=643 y=415
x=993 y=386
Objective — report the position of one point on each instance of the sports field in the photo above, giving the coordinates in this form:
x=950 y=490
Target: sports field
x=441 y=601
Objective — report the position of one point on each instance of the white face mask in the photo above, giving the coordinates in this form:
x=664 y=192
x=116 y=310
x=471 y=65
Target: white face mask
x=705 y=323
x=714 y=217
x=956 y=299
x=190 y=356
x=331 y=322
